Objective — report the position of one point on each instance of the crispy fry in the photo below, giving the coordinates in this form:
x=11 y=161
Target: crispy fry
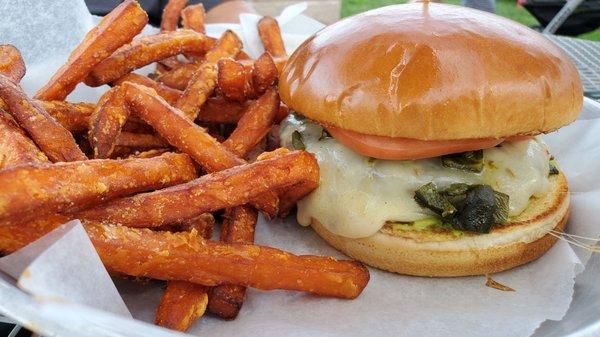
x=140 y=141
x=185 y=302
x=114 y=30
x=282 y=113
x=242 y=55
x=39 y=189
x=229 y=188
x=149 y=154
x=238 y=227
x=192 y=17
x=15 y=147
x=170 y=15
x=107 y=121
x=16 y=236
x=11 y=63
x=203 y=82
x=221 y=110
x=181 y=305
x=169 y=94
x=254 y=124
x=74 y=117
x=140 y=252
x=244 y=80
x=178 y=78
x=56 y=142
x=144 y=51
x=270 y=35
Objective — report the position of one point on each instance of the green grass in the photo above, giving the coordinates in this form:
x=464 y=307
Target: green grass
x=506 y=8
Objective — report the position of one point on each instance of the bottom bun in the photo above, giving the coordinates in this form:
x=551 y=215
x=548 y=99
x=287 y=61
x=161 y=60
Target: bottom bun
x=443 y=254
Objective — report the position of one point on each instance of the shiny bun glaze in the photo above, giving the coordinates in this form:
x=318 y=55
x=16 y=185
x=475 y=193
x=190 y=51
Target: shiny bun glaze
x=432 y=72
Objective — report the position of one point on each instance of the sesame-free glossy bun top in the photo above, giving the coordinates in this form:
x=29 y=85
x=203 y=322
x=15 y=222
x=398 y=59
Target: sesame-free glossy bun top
x=433 y=72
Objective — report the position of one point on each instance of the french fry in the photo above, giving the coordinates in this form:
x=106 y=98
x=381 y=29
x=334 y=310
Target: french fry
x=203 y=82
x=221 y=110
x=149 y=154
x=242 y=55
x=244 y=80
x=146 y=50
x=184 y=302
x=283 y=112
x=238 y=227
x=15 y=147
x=39 y=189
x=140 y=141
x=74 y=117
x=178 y=78
x=270 y=35
x=169 y=94
x=233 y=187
x=254 y=124
x=54 y=140
x=141 y=253
x=114 y=30
x=170 y=15
x=192 y=17
x=11 y=63
x=107 y=121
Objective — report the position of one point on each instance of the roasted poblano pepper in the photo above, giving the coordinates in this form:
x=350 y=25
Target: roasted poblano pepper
x=469 y=161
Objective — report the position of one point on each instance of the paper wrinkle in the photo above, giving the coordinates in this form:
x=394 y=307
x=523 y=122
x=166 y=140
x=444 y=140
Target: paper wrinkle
x=390 y=304
x=64 y=266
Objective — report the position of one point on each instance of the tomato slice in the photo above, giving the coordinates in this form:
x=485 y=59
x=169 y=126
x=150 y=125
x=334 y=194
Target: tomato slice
x=393 y=148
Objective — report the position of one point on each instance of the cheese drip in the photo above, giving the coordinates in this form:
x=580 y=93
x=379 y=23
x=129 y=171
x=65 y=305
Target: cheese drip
x=357 y=195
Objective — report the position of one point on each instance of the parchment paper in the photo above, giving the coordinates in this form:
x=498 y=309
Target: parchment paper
x=391 y=304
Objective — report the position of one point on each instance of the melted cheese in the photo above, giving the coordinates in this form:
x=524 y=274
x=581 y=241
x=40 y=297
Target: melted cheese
x=357 y=195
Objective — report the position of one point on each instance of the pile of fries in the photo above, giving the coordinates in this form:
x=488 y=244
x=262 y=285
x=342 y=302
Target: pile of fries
x=147 y=165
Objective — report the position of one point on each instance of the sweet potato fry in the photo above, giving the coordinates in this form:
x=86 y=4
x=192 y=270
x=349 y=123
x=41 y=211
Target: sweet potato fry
x=192 y=17
x=74 y=117
x=244 y=80
x=143 y=51
x=233 y=187
x=181 y=305
x=254 y=124
x=107 y=121
x=270 y=35
x=38 y=189
x=149 y=154
x=169 y=94
x=185 y=302
x=114 y=30
x=178 y=78
x=171 y=14
x=238 y=227
x=16 y=236
x=54 y=140
x=140 y=252
x=221 y=110
x=15 y=147
x=203 y=82
x=11 y=63
x=140 y=141
x=242 y=55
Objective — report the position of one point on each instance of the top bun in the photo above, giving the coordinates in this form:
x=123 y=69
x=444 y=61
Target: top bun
x=432 y=72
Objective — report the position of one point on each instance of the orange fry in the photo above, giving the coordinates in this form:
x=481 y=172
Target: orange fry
x=233 y=187
x=143 y=51
x=244 y=80
x=11 y=63
x=170 y=15
x=238 y=227
x=149 y=154
x=107 y=121
x=141 y=253
x=51 y=188
x=178 y=78
x=54 y=140
x=114 y=30
x=15 y=147
x=74 y=117
x=203 y=82
x=270 y=35
x=169 y=94
x=140 y=141
x=185 y=302
x=264 y=73
x=254 y=124
x=221 y=110
x=192 y=17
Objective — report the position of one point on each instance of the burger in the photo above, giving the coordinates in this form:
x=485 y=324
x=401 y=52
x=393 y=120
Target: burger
x=425 y=120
